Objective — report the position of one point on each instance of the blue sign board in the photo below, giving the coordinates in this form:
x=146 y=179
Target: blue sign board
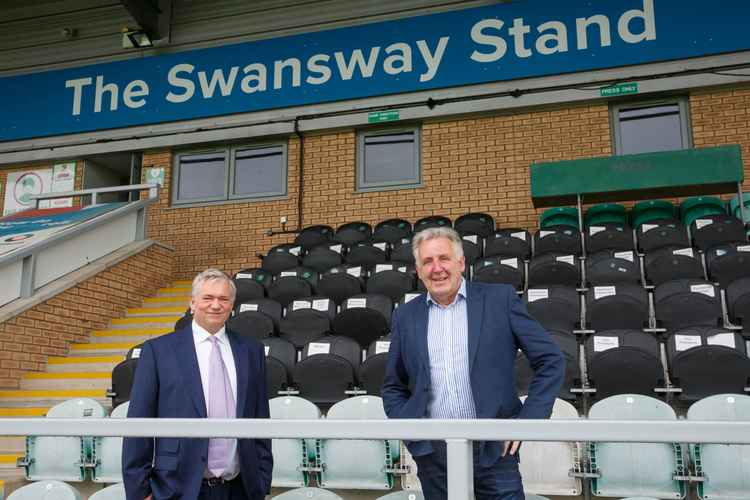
x=519 y=39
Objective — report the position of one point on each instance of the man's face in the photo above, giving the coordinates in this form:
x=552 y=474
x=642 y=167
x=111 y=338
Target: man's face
x=440 y=269
x=212 y=305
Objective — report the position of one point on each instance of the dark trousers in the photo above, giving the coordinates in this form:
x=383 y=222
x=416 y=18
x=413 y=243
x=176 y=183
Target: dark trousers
x=232 y=490
x=500 y=481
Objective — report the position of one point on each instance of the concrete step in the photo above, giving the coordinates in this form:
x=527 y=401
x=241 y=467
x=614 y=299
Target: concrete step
x=68 y=364
x=50 y=400
x=133 y=335
x=23 y=412
x=147 y=312
x=173 y=300
x=161 y=321
x=70 y=380
x=101 y=348
x=12 y=444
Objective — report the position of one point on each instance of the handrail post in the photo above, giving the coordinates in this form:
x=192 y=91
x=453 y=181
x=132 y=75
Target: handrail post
x=460 y=469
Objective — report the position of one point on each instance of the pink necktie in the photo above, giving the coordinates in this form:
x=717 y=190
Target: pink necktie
x=220 y=405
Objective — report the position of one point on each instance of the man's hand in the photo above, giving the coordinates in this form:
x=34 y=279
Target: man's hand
x=149 y=497
x=513 y=445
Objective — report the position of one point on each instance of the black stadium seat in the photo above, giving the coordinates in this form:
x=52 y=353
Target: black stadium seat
x=372 y=370
x=609 y=236
x=327 y=369
x=472 y=246
x=293 y=284
x=313 y=236
x=185 y=321
x=367 y=254
x=323 y=257
x=508 y=243
x=402 y=252
x=282 y=257
x=554 y=307
x=475 y=223
x=392 y=280
x=569 y=348
x=340 y=283
x=364 y=317
x=300 y=326
x=624 y=362
x=711 y=230
x=280 y=359
x=558 y=240
x=500 y=270
x=392 y=231
x=613 y=266
x=252 y=324
x=123 y=375
x=661 y=233
x=728 y=262
x=432 y=221
x=554 y=269
x=266 y=307
x=353 y=232
x=684 y=303
x=672 y=263
x=615 y=307
x=738 y=302
x=252 y=284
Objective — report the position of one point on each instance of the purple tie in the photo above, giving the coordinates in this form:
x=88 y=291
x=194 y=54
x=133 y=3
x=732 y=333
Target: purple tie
x=220 y=405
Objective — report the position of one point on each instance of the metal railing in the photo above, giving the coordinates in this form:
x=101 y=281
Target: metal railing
x=458 y=434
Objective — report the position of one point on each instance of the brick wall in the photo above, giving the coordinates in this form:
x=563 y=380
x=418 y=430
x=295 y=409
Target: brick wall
x=48 y=329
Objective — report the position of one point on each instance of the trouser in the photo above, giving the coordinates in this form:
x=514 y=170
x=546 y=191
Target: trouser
x=500 y=481
x=229 y=490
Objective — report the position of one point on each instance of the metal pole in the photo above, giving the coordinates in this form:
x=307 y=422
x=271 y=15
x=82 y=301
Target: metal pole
x=741 y=201
x=460 y=469
x=579 y=206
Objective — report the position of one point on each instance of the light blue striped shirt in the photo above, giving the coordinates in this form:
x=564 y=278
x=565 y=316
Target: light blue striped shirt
x=448 y=345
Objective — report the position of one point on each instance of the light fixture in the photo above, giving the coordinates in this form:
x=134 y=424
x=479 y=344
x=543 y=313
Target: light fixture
x=135 y=38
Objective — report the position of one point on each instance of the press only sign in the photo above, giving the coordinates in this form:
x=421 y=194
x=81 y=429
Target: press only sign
x=502 y=42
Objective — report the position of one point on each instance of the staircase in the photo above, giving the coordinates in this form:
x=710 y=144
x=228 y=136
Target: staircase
x=86 y=371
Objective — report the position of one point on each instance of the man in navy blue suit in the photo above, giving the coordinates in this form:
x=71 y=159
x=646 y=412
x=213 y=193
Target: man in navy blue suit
x=201 y=371
x=452 y=356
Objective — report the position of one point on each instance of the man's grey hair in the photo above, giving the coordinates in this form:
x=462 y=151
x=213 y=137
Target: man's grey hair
x=432 y=233
x=212 y=274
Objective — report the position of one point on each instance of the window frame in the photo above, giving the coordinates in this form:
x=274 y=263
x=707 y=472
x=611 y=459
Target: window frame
x=684 y=117
x=230 y=169
x=406 y=183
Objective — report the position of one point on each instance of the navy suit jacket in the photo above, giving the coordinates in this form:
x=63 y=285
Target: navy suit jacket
x=498 y=326
x=168 y=385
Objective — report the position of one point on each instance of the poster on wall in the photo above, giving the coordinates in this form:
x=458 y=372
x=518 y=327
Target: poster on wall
x=155 y=175
x=63 y=180
x=22 y=185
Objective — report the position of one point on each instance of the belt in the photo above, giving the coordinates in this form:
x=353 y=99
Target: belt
x=212 y=482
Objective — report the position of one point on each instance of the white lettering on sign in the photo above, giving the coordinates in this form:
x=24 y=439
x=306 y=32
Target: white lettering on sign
x=685 y=342
x=284 y=274
x=243 y=276
x=743 y=248
x=471 y=237
x=409 y=296
x=701 y=223
x=604 y=291
x=521 y=235
x=321 y=304
x=705 y=289
x=605 y=343
x=382 y=346
x=355 y=271
x=336 y=248
x=510 y=262
x=300 y=304
x=314 y=348
x=568 y=259
x=383 y=267
x=596 y=229
x=687 y=252
x=356 y=303
x=248 y=307
x=136 y=353
x=544 y=234
x=267 y=348
x=380 y=246
x=535 y=294
x=725 y=339
x=295 y=251
x=648 y=227
x=625 y=255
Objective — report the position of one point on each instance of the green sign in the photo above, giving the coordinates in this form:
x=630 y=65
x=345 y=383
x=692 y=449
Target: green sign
x=622 y=89
x=382 y=116
x=154 y=175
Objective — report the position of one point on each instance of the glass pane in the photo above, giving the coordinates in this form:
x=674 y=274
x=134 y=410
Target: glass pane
x=202 y=176
x=650 y=129
x=390 y=159
x=259 y=171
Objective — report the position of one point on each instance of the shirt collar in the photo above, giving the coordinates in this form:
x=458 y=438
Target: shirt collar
x=200 y=334
x=461 y=293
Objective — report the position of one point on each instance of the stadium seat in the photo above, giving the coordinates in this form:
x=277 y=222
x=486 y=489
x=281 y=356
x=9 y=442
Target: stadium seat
x=472 y=246
x=738 y=301
x=532 y=496
x=280 y=359
x=661 y=233
x=253 y=324
x=609 y=267
x=697 y=207
x=340 y=283
x=606 y=213
x=281 y=258
x=306 y=320
x=367 y=255
x=712 y=230
x=313 y=236
x=406 y=495
x=569 y=347
x=46 y=490
x=261 y=308
x=327 y=369
x=725 y=468
x=733 y=207
x=475 y=223
x=292 y=456
x=554 y=307
x=728 y=262
x=626 y=469
x=546 y=466
x=392 y=231
x=554 y=269
x=704 y=361
x=609 y=236
x=107 y=453
x=510 y=271
x=392 y=280
x=357 y=464
x=61 y=458
x=251 y=287
x=353 y=232
x=432 y=221
x=293 y=284
x=559 y=216
x=671 y=263
x=184 y=321
x=651 y=210
x=683 y=303
x=507 y=243
x=308 y=494
x=323 y=257
x=557 y=240
x=123 y=375
x=364 y=317
x=624 y=362
x=111 y=492
x=402 y=252
x=614 y=307
x=372 y=369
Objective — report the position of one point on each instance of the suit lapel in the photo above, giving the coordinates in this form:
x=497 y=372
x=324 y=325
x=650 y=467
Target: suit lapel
x=188 y=365
x=475 y=311
x=241 y=357
x=420 y=327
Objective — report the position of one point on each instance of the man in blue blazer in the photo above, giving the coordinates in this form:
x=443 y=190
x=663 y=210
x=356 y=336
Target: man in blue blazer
x=452 y=355
x=200 y=371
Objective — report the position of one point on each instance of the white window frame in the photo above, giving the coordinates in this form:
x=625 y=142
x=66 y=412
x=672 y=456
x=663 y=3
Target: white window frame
x=684 y=110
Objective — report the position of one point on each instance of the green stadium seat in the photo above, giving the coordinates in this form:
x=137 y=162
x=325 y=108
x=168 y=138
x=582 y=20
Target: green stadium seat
x=734 y=206
x=46 y=490
x=700 y=206
x=651 y=210
x=605 y=213
x=292 y=456
x=308 y=494
x=107 y=453
x=725 y=468
x=113 y=492
x=559 y=216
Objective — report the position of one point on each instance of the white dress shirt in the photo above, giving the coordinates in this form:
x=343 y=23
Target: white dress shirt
x=203 y=351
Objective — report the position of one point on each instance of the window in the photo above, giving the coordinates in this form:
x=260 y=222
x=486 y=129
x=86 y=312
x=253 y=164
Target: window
x=651 y=126
x=388 y=159
x=230 y=173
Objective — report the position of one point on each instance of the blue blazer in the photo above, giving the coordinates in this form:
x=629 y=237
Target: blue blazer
x=499 y=325
x=168 y=385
